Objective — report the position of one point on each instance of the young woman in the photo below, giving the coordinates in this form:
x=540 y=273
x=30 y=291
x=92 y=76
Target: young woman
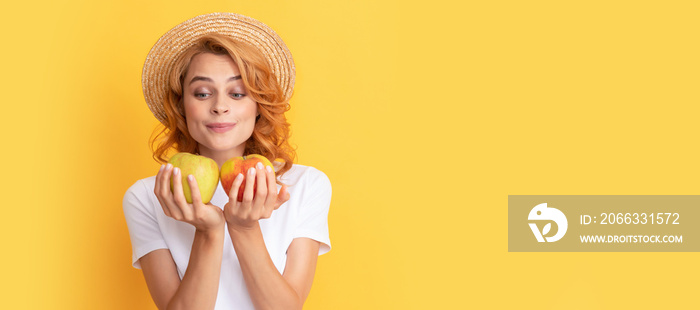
x=220 y=84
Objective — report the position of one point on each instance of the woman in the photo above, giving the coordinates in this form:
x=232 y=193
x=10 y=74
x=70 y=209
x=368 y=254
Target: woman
x=220 y=84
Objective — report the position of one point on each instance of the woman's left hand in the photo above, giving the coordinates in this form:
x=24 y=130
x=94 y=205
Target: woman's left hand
x=257 y=203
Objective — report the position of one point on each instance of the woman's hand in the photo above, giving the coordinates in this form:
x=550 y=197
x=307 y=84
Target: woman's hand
x=257 y=203
x=204 y=217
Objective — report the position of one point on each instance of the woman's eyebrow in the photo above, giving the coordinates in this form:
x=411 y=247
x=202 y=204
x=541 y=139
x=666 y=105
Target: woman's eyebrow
x=206 y=79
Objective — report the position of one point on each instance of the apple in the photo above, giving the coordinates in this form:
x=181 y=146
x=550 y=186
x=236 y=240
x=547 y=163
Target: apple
x=205 y=171
x=232 y=167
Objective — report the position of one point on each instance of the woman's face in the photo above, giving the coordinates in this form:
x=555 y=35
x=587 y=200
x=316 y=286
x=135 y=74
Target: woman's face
x=220 y=115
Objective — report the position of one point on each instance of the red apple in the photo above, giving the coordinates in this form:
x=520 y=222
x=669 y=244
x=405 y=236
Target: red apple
x=205 y=171
x=232 y=167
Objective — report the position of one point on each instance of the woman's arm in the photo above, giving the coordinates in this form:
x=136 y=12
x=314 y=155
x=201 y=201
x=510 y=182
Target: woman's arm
x=200 y=284
x=267 y=287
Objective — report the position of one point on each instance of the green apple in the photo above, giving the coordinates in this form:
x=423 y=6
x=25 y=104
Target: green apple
x=205 y=171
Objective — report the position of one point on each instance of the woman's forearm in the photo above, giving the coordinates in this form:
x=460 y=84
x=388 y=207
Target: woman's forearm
x=200 y=284
x=267 y=287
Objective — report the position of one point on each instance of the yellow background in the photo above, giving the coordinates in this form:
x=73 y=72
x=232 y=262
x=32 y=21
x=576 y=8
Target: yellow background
x=425 y=115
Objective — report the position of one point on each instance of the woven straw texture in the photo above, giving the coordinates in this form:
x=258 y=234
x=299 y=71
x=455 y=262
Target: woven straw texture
x=161 y=59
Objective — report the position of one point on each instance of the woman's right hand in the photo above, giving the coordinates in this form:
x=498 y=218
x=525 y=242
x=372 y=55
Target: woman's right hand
x=204 y=217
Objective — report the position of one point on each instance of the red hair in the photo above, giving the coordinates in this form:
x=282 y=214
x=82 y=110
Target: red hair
x=271 y=132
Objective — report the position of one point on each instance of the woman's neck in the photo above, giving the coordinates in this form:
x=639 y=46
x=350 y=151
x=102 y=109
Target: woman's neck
x=220 y=157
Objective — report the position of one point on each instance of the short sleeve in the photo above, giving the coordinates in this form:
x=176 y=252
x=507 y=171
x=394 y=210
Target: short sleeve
x=144 y=231
x=313 y=212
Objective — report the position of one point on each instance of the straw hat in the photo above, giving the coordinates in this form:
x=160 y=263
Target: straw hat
x=161 y=59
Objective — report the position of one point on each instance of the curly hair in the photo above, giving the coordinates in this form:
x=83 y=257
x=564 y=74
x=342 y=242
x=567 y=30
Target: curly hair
x=271 y=132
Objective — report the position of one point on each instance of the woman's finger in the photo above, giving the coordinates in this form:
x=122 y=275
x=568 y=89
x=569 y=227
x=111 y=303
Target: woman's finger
x=282 y=197
x=235 y=188
x=180 y=206
x=164 y=184
x=159 y=175
x=156 y=190
x=261 y=186
x=167 y=195
x=271 y=187
x=271 y=198
x=248 y=193
x=198 y=206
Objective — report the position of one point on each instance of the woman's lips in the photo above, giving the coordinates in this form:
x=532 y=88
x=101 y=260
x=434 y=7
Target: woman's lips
x=221 y=127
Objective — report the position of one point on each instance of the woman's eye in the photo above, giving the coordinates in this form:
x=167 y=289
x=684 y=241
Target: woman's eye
x=237 y=95
x=201 y=95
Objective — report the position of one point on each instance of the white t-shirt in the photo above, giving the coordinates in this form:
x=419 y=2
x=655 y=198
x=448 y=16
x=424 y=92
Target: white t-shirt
x=304 y=215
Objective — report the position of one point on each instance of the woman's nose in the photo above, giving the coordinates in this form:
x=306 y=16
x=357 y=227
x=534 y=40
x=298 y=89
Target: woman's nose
x=219 y=107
